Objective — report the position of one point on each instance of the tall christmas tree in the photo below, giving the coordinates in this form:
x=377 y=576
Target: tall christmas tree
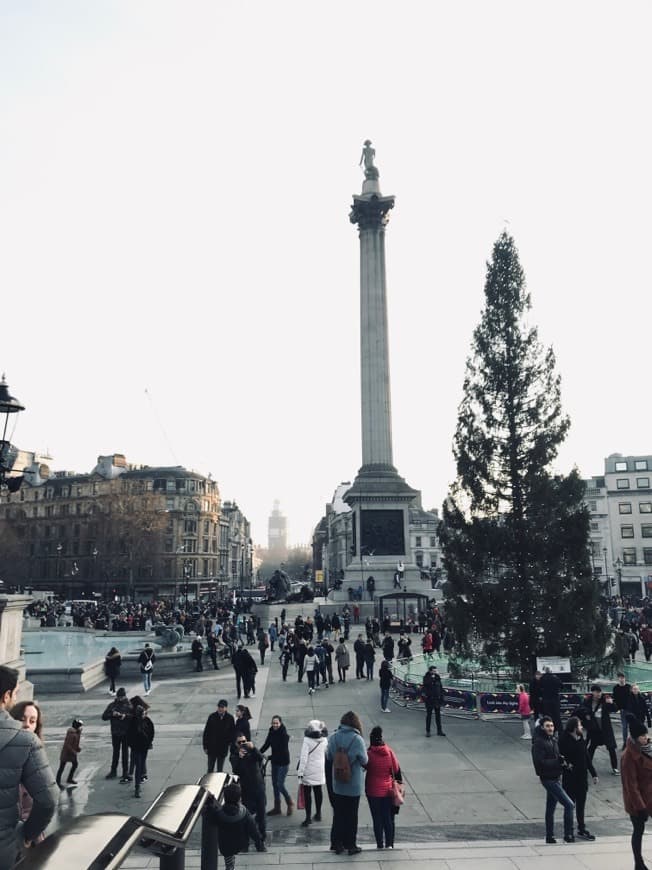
x=515 y=537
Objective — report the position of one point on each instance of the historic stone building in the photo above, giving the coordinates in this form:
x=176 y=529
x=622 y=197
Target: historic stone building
x=130 y=531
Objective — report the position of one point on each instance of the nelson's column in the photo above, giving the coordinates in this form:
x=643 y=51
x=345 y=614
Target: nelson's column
x=379 y=497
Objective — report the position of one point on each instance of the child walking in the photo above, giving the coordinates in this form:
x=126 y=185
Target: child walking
x=69 y=752
x=236 y=826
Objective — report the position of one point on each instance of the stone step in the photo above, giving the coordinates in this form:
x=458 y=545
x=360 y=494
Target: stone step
x=612 y=852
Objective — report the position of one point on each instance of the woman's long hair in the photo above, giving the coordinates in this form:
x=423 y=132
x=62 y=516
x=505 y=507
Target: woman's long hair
x=352 y=720
x=18 y=711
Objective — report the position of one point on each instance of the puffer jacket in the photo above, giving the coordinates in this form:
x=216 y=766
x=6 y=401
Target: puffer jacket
x=312 y=761
x=382 y=768
x=23 y=759
x=235 y=828
x=119 y=723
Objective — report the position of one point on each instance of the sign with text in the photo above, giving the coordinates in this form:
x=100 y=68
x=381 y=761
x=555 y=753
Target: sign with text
x=556 y=665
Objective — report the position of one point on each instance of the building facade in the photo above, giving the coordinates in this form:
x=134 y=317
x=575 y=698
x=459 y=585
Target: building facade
x=620 y=504
x=122 y=530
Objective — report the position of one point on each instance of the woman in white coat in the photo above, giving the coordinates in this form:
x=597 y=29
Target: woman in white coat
x=312 y=768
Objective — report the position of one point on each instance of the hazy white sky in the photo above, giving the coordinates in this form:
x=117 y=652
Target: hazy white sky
x=175 y=181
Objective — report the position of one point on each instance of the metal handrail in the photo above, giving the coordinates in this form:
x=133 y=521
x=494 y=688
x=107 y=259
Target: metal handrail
x=104 y=840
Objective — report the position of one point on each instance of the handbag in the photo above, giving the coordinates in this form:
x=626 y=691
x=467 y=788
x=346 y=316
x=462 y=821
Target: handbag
x=398 y=793
x=301 y=801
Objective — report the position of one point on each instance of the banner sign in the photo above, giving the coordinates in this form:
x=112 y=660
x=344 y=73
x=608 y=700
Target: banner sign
x=556 y=665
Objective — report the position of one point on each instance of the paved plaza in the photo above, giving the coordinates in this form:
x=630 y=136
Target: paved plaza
x=472 y=796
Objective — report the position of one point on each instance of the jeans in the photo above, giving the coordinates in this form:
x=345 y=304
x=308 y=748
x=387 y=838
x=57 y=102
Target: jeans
x=624 y=725
x=120 y=746
x=638 y=826
x=279 y=772
x=147 y=680
x=140 y=760
x=591 y=747
x=384 y=699
x=345 y=820
x=370 y=670
x=255 y=803
x=555 y=795
x=71 y=775
x=382 y=813
x=213 y=759
x=429 y=709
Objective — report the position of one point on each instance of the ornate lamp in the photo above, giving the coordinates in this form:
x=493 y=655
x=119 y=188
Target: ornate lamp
x=8 y=405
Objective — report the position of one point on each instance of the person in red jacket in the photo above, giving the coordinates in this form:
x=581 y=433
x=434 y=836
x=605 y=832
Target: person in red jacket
x=382 y=769
x=69 y=752
x=636 y=777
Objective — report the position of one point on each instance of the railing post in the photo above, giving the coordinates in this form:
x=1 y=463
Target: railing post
x=208 y=841
x=174 y=861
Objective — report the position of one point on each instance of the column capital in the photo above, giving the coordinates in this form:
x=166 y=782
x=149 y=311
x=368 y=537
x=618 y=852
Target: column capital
x=371 y=212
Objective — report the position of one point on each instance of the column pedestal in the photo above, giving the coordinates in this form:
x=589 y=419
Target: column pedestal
x=11 y=634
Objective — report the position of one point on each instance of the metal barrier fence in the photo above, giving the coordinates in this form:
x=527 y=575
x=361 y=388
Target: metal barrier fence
x=103 y=841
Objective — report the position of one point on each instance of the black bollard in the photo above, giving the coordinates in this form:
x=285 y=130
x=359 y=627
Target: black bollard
x=208 y=841
x=174 y=861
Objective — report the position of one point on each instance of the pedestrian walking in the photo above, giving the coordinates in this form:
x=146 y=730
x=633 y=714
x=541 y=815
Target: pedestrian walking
x=263 y=644
x=404 y=647
x=310 y=667
x=140 y=737
x=118 y=714
x=637 y=707
x=246 y=762
x=548 y=764
x=636 y=770
x=28 y=713
x=311 y=770
x=197 y=651
x=112 y=665
x=285 y=659
x=23 y=760
x=249 y=669
x=236 y=826
x=211 y=646
x=595 y=715
x=146 y=661
x=433 y=696
x=69 y=752
x=388 y=647
x=524 y=712
x=621 y=693
x=382 y=770
x=385 y=679
x=342 y=660
x=347 y=752
x=574 y=780
x=218 y=736
x=278 y=740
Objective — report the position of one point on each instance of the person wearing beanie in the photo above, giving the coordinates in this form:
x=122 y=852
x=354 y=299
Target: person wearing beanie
x=118 y=713
x=69 y=752
x=382 y=769
x=312 y=768
x=235 y=826
x=595 y=714
x=636 y=777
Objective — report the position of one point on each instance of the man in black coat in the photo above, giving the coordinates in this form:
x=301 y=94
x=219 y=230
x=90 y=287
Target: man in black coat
x=433 y=696
x=550 y=688
x=572 y=746
x=595 y=715
x=358 y=649
x=246 y=762
x=119 y=713
x=548 y=764
x=621 y=695
x=219 y=734
x=536 y=701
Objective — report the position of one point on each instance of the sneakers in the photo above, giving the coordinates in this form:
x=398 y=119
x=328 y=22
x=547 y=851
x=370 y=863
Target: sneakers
x=111 y=775
x=615 y=771
x=569 y=839
x=585 y=834
x=72 y=783
x=387 y=710
x=550 y=840
x=126 y=779
x=305 y=823
x=526 y=737
x=144 y=779
x=317 y=817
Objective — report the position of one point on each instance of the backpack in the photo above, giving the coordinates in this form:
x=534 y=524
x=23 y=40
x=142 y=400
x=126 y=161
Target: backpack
x=342 y=764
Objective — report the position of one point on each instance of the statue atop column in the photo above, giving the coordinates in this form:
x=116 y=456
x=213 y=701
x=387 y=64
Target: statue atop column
x=367 y=158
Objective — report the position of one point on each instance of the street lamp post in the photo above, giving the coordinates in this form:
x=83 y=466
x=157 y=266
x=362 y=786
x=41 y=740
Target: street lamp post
x=618 y=565
x=94 y=554
x=606 y=569
x=8 y=405
x=59 y=549
x=186 y=576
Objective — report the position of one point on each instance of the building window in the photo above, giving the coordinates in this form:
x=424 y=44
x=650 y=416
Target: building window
x=593 y=506
x=417 y=541
x=205 y=545
x=190 y=527
x=640 y=465
x=646 y=531
x=647 y=555
x=629 y=555
x=645 y=507
x=418 y=557
x=596 y=549
x=625 y=507
x=622 y=483
x=627 y=531
x=433 y=540
x=169 y=545
x=595 y=527
x=169 y=504
x=621 y=466
x=643 y=482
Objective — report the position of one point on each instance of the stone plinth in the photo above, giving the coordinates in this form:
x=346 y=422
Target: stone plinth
x=11 y=635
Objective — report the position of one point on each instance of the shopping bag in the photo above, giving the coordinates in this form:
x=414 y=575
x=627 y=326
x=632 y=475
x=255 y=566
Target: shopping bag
x=301 y=803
